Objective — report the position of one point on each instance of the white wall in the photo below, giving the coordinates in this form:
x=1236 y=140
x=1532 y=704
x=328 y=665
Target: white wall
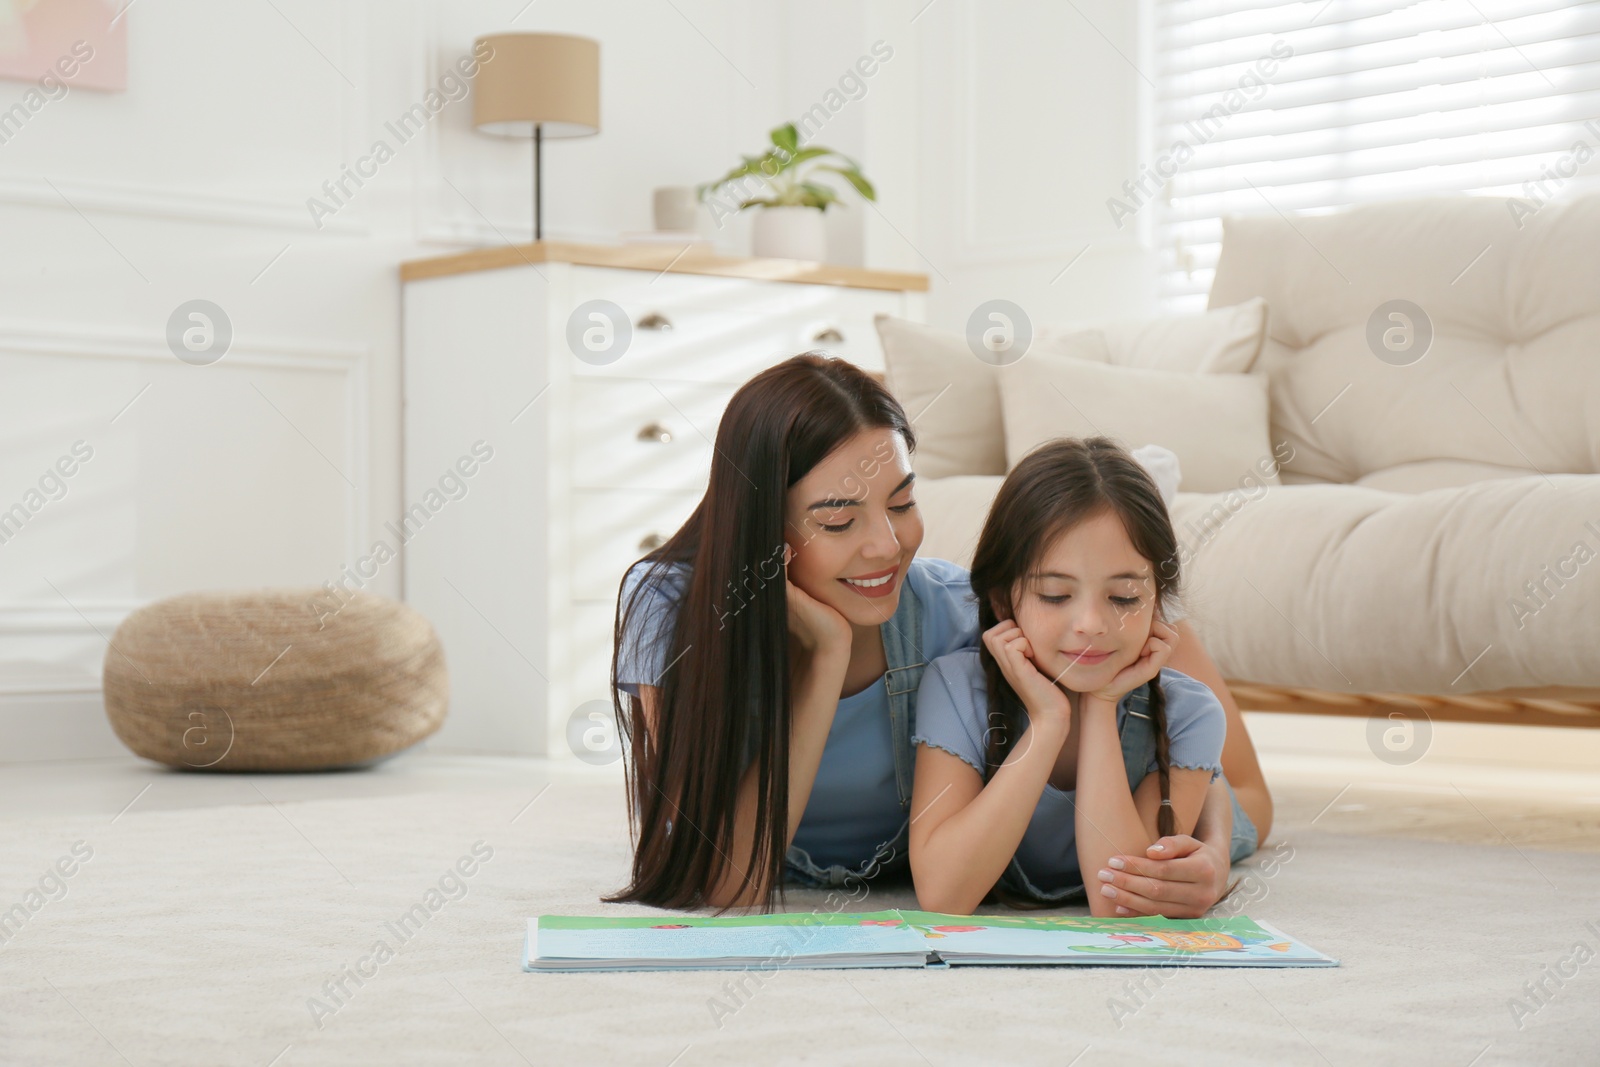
x=994 y=141
x=278 y=464
x=1008 y=124
x=995 y=133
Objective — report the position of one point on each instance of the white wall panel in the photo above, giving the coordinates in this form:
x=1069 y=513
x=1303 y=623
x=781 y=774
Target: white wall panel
x=280 y=463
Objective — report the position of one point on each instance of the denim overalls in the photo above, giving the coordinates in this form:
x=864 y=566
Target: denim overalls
x=902 y=648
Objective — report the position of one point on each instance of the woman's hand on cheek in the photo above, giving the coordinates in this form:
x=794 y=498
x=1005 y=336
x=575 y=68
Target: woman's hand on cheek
x=817 y=626
x=1152 y=657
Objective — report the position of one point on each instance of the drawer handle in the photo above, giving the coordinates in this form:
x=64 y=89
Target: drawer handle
x=654 y=321
x=655 y=432
x=829 y=335
x=651 y=542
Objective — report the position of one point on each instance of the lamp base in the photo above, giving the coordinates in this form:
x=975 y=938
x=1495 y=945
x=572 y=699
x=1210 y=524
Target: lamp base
x=538 y=182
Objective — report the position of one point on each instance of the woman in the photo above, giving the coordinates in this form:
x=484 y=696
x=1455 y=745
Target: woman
x=770 y=653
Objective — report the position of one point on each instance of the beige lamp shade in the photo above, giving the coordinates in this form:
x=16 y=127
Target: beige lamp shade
x=549 y=82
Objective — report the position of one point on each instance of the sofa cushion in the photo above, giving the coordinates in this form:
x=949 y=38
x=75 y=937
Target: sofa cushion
x=951 y=396
x=1341 y=587
x=1510 y=378
x=1428 y=474
x=1216 y=424
x=953 y=512
x=1360 y=590
x=955 y=397
x=1223 y=340
x=954 y=509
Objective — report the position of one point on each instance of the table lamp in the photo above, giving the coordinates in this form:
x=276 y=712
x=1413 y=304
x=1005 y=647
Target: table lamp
x=537 y=85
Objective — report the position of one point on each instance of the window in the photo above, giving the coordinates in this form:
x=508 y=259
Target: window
x=1263 y=106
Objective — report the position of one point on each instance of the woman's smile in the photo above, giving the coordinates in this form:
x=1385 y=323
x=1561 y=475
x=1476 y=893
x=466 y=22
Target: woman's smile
x=876 y=584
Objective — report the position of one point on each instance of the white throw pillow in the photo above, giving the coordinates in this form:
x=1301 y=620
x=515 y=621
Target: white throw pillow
x=1164 y=467
x=1224 y=340
x=1215 y=423
x=954 y=397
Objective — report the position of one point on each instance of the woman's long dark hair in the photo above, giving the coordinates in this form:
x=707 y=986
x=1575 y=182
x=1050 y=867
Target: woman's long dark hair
x=725 y=692
x=1052 y=489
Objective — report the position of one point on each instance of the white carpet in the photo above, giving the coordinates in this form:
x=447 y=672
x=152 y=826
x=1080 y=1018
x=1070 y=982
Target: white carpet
x=199 y=936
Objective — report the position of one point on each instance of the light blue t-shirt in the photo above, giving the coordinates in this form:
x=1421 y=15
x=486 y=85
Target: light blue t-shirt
x=854 y=806
x=952 y=714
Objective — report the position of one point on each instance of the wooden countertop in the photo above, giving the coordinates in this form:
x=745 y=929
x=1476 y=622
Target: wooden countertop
x=658 y=258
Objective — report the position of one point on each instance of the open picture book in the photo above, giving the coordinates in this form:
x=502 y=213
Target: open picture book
x=900 y=938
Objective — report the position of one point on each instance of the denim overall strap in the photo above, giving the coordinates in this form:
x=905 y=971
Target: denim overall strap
x=1139 y=751
x=902 y=648
x=1138 y=733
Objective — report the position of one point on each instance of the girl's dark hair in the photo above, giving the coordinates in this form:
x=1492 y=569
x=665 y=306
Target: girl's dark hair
x=724 y=694
x=1052 y=489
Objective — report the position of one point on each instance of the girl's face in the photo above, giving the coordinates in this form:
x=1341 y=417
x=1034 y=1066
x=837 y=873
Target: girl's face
x=853 y=526
x=1087 y=611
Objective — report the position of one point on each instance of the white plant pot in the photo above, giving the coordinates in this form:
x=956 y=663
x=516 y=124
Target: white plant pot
x=790 y=233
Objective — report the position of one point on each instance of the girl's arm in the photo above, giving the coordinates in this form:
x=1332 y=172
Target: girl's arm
x=1239 y=762
x=1110 y=820
x=1186 y=878
x=963 y=832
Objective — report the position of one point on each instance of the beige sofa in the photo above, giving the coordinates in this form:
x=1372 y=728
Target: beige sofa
x=1434 y=541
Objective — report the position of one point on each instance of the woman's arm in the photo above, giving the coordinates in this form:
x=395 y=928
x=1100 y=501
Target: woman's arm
x=1110 y=820
x=820 y=681
x=819 y=658
x=813 y=719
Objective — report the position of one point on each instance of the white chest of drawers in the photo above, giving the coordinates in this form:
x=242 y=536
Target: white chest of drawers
x=516 y=558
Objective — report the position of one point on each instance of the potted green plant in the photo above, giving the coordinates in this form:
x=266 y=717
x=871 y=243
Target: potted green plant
x=793 y=201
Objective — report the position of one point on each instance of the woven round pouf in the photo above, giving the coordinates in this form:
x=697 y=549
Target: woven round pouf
x=274 y=680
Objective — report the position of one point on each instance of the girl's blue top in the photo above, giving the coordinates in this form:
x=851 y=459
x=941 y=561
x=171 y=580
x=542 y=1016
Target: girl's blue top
x=952 y=714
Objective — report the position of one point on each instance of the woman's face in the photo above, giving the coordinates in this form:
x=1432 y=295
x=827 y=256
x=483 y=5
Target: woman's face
x=1087 y=611
x=852 y=525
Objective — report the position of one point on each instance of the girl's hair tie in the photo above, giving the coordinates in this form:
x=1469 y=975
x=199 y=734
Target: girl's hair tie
x=1166 y=801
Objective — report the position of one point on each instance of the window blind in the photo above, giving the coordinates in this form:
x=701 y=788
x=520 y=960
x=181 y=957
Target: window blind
x=1265 y=106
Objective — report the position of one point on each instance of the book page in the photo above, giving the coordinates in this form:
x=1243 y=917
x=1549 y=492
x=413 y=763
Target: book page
x=753 y=937
x=1232 y=940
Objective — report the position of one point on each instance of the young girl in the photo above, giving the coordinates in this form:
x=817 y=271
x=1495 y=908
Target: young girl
x=1061 y=741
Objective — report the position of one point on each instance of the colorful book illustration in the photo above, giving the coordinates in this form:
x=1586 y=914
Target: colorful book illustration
x=900 y=938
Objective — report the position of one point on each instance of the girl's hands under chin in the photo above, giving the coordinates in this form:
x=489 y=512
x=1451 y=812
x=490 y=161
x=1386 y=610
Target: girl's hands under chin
x=1010 y=648
x=817 y=626
x=1157 y=650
